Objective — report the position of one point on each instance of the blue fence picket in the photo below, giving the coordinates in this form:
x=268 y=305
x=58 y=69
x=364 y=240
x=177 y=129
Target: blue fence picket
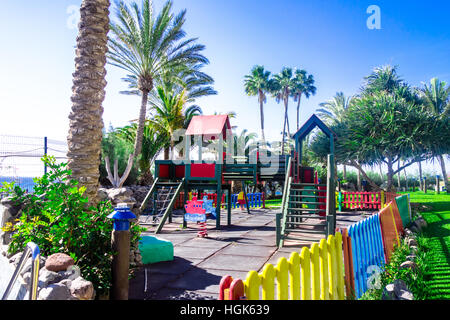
x=254 y=200
x=367 y=249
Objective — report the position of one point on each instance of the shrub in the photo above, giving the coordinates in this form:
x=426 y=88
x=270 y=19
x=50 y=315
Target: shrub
x=57 y=219
x=415 y=279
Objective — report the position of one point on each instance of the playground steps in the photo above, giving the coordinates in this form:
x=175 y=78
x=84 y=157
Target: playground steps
x=159 y=202
x=302 y=221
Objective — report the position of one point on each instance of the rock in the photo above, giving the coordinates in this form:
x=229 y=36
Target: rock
x=82 y=289
x=55 y=291
x=408 y=264
x=409 y=233
x=411 y=257
x=58 y=262
x=415 y=228
x=10 y=207
x=414 y=249
x=421 y=223
x=388 y=292
x=66 y=282
x=412 y=242
x=47 y=277
x=27 y=277
x=28 y=263
x=399 y=285
x=405 y=295
x=15 y=259
x=103 y=194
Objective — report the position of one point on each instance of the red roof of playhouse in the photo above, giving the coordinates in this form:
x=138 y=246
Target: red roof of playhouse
x=210 y=126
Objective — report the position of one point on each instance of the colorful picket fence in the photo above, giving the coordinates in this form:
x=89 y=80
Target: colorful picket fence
x=316 y=273
x=367 y=251
x=359 y=200
x=372 y=242
x=255 y=200
x=343 y=266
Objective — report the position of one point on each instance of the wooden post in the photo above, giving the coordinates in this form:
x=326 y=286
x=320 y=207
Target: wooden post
x=331 y=206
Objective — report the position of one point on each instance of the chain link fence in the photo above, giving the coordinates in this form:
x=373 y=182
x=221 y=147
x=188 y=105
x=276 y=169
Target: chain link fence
x=20 y=158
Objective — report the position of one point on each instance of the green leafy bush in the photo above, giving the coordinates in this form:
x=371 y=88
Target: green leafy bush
x=57 y=219
x=415 y=279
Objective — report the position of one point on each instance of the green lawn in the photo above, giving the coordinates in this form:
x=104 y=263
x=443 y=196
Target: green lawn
x=273 y=203
x=438 y=234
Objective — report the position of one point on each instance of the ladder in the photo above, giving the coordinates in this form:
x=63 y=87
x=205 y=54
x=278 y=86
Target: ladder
x=159 y=202
x=306 y=212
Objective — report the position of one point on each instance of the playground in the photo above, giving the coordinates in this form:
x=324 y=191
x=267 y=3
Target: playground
x=200 y=263
x=200 y=250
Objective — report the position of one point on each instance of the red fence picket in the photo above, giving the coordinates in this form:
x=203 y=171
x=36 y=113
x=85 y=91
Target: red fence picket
x=361 y=200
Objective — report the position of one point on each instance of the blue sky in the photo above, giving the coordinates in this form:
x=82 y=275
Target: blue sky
x=329 y=39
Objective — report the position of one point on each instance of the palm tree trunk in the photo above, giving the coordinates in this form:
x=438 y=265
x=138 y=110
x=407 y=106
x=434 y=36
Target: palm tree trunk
x=141 y=124
x=284 y=130
x=298 y=111
x=261 y=112
x=344 y=172
x=444 y=173
x=287 y=118
x=398 y=175
x=86 y=124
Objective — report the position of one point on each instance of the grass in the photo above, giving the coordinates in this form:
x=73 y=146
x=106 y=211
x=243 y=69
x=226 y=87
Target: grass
x=438 y=238
x=273 y=203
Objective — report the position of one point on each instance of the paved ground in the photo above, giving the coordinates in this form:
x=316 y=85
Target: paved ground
x=200 y=263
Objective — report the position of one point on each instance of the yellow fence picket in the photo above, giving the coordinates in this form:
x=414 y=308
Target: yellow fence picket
x=252 y=284
x=315 y=272
x=282 y=271
x=268 y=282
x=332 y=267
x=294 y=271
x=323 y=254
x=340 y=267
x=305 y=272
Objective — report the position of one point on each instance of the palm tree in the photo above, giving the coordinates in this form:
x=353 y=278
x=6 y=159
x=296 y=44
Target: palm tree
x=146 y=46
x=436 y=98
x=86 y=124
x=332 y=112
x=383 y=78
x=171 y=114
x=257 y=83
x=304 y=85
x=281 y=88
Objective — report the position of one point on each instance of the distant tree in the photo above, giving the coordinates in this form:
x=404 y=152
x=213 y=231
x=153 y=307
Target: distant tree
x=282 y=87
x=303 y=85
x=257 y=83
x=333 y=111
x=436 y=98
x=147 y=45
